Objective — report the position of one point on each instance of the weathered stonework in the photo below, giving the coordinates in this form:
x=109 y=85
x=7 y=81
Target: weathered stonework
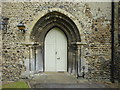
x=116 y=42
x=94 y=20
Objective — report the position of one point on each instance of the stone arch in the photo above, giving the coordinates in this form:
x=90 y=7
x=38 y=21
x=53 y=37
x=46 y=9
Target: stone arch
x=68 y=24
x=55 y=19
x=44 y=12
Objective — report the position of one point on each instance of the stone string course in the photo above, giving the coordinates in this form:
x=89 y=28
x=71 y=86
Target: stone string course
x=95 y=23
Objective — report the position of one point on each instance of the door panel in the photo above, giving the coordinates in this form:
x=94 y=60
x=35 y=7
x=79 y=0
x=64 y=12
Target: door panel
x=50 y=57
x=50 y=51
x=61 y=48
x=55 y=51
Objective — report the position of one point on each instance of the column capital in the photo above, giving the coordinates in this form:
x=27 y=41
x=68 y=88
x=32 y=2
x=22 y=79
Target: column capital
x=79 y=43
x=31 y=44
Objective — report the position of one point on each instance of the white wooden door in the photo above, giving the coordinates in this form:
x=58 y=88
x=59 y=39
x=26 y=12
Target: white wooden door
x=55 y=51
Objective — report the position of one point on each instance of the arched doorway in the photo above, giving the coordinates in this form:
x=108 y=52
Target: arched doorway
x=55 y=50
x=50 y=21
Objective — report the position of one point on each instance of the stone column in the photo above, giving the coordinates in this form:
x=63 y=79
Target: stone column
x=74 y=61
x=79 y=58
x=35 y=47
x=30 y=59
x=27 y=62
x=69 y=65
x=71 y=59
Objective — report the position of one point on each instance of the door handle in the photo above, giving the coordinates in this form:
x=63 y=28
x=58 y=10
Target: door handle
x=58 y=58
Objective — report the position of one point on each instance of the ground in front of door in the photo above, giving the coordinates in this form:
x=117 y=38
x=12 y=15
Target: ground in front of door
x=65 y=80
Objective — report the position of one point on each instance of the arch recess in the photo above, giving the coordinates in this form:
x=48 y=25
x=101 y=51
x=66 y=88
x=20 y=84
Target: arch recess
x=44 y=12
x=68 y=24
x=55 y=19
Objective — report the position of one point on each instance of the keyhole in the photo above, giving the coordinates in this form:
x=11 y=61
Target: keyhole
x=55 y=52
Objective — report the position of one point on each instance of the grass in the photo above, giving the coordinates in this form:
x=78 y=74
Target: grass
x=19 y=84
